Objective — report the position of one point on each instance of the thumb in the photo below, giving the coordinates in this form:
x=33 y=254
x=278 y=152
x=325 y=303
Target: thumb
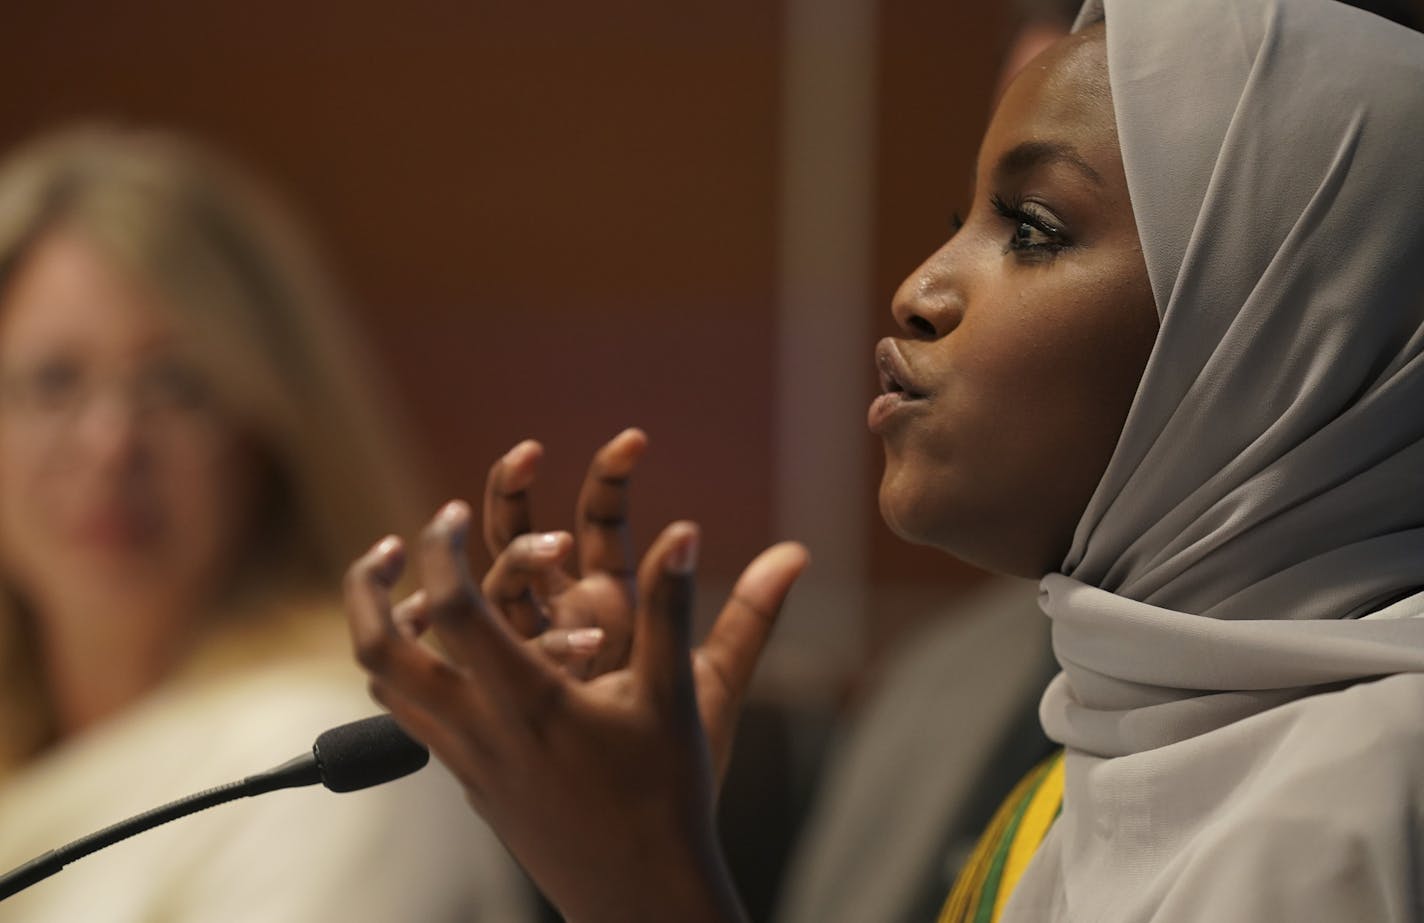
x=742 y=629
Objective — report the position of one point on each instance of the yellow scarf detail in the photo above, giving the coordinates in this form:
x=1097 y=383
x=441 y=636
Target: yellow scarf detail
x=1006 y=846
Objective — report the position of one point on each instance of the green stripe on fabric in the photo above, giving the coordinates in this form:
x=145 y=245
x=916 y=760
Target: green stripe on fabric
x=984 y=913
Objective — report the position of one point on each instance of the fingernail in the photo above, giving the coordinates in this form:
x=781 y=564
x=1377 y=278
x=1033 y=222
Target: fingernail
x=585 y=640
x=453 y=512
x=547 y=542
x=683 y=559
x=387 y=546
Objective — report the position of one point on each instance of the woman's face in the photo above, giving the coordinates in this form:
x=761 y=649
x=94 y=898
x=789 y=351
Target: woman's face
x=1024 y=336
x=122 y=490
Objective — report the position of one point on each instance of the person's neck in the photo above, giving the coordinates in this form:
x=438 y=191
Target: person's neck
x=97 y=665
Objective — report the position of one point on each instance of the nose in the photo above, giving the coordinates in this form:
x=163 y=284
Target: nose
x=929 y=303
x=109 y=432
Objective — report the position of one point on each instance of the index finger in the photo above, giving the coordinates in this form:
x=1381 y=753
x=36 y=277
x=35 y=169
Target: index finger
x=389 y=655
x=459 y=614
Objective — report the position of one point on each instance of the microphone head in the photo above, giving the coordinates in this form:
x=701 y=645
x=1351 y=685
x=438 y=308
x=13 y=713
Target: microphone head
x=365 y=753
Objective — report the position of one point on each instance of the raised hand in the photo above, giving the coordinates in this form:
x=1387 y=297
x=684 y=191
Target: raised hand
x=603 y=789
x=533 y=590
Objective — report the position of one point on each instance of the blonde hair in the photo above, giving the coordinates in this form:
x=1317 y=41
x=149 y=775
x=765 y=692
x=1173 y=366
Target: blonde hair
x=233 y=268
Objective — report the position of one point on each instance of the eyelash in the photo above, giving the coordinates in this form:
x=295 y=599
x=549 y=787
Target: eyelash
x=1024 y=215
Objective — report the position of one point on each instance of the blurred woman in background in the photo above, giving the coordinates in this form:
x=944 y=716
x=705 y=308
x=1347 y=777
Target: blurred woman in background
x=190 y=449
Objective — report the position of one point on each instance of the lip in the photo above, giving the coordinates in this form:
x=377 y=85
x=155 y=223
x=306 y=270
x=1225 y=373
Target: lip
x=112 y=529
x=896 y=377
x=899 y=389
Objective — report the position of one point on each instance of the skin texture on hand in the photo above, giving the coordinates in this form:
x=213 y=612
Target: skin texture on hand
x=599 y=592
x=603 y=788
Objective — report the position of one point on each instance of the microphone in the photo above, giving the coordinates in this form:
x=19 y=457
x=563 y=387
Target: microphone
x=344 y=759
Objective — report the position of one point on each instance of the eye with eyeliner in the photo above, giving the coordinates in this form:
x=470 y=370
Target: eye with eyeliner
x=1035 y=233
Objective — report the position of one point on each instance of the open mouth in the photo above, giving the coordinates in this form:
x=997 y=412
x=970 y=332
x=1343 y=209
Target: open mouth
x=889 y=384
x=900 y=396
x=893 y=375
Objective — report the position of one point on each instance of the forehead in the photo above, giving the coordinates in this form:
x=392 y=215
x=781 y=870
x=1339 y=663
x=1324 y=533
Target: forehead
x=1062 y=96
x=65 y=290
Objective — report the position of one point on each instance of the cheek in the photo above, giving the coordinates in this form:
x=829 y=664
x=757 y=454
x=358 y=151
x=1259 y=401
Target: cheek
x=38 y=495
x=31 y=489
x=1064 y=395
x=208 y=500
x=1062 y=369
x=1037 y=386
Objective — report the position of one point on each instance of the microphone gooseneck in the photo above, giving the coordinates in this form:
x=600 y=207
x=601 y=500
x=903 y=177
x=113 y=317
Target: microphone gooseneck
x=344 y=759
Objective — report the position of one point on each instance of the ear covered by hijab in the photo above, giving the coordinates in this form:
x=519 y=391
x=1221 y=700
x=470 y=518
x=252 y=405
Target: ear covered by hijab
x=1268 y=478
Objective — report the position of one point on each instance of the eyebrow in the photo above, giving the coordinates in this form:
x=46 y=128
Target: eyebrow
x=1030 y=155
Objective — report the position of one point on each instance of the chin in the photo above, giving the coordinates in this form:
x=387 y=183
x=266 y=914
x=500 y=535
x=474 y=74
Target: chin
x=924 y=519
x=906 y=512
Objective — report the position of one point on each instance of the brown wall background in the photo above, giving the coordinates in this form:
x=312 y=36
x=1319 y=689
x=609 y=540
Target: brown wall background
x=554 y=218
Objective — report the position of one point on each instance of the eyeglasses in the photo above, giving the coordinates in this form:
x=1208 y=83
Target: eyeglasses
x=56 y=392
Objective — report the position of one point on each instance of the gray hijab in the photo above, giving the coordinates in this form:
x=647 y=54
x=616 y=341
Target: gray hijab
x=1255 y=551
